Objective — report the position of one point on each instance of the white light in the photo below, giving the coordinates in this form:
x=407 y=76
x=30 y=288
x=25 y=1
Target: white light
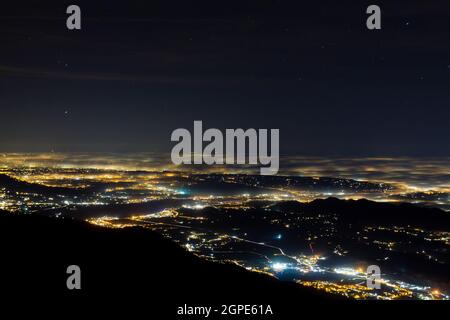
x=279 y=266
x=197 y=206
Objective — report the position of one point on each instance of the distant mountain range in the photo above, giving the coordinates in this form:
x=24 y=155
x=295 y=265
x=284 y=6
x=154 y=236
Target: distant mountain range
x=15 y=185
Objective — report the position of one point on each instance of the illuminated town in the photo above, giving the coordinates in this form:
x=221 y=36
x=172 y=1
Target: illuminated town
x=281 y=226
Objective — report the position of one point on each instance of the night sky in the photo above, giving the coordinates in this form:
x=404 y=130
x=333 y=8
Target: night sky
x=140 y=69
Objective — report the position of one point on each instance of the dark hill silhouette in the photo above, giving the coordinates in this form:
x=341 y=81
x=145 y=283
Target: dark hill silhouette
x=366 y=212
x=130 y=265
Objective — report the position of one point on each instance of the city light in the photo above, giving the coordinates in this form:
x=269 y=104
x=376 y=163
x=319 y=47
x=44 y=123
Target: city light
x=278 y=267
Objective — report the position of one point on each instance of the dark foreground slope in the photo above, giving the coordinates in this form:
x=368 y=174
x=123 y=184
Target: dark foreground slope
x=125 y=269
x=136 y=272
